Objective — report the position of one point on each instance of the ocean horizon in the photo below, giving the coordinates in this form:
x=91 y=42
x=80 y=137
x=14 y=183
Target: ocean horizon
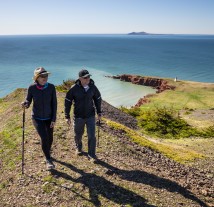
x=187 y=57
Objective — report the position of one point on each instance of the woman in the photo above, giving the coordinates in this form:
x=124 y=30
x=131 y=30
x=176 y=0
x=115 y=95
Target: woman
x=44 y=110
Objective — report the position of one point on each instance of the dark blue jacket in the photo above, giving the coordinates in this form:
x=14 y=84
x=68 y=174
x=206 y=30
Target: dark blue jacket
x=44 y=102
x=84 y=102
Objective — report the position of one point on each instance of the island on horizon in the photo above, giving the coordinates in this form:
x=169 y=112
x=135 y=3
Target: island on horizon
x=141 y=33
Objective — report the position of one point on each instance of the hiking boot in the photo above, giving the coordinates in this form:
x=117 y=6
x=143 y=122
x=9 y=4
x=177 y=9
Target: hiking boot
x=92 y=159
x=49 y=165
x=78 y=152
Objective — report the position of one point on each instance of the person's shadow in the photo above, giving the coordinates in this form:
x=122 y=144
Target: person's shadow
x=150 y=179
x=98 y=185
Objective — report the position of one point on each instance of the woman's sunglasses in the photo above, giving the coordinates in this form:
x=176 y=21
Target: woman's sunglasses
x=44 y=76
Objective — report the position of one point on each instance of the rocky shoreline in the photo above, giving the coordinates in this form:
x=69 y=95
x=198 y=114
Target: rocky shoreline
x=157 y=83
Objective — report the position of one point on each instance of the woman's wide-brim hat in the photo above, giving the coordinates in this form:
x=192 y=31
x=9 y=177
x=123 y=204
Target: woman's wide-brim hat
x=39 y=71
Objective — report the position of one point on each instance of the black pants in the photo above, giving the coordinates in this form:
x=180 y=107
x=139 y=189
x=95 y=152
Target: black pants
x=46 y=135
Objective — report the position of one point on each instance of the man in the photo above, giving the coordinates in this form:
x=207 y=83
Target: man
x=86 y=98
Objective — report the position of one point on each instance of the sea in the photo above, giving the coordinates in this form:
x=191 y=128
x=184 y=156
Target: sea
x=187 y=57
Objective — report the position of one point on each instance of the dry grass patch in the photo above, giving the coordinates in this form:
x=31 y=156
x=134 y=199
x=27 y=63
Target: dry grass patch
x=177 y=153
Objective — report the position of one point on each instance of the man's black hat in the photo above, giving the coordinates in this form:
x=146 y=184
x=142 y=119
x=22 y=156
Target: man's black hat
x=84 y=73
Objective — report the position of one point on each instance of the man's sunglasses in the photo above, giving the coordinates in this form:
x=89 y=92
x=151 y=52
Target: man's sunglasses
x=86 y=77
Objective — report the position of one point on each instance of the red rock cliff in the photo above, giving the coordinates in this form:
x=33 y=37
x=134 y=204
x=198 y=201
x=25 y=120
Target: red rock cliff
x=157 y=83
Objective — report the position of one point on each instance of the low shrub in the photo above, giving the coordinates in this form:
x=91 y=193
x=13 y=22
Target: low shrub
x=166 y=123
x=135 y=111
x=65 y=86
x=208 y=132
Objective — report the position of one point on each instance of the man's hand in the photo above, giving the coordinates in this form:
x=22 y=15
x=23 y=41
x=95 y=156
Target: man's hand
x=68 y=121
x=52 y=124
x=99 y=117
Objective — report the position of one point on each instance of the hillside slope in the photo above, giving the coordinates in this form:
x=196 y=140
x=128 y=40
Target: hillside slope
x=126 y=174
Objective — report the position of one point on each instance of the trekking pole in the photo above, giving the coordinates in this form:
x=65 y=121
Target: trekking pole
x=23 y=139
x=98 y=133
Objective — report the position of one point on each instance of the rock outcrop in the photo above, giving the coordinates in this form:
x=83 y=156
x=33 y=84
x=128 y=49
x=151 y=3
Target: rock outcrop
x=157 y=83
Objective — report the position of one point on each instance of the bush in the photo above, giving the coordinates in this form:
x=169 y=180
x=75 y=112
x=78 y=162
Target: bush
x=65 y=86
x=208 y=132
x=163 y=122
x=166 y=123
x=135 y=111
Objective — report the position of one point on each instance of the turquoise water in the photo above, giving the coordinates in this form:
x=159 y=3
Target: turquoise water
x=189 y=57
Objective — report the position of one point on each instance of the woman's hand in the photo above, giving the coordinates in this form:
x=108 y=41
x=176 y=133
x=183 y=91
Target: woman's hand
x=25 y=105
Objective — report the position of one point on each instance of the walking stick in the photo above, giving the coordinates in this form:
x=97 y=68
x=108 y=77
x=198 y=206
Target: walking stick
x=23 y=139
x=98 y=133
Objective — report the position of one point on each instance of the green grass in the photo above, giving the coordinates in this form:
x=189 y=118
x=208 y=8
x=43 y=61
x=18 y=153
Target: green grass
x=48 y=187
x=11 y=129
x=191 y=95
x=4 y=106
x=3 y=185
x=10 y=144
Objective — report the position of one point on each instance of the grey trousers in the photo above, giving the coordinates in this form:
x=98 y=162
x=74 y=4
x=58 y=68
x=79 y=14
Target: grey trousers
x=79 y=125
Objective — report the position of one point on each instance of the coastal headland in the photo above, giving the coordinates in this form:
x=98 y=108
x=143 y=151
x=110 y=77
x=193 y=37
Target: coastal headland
x=157 y=83
x=179 y=93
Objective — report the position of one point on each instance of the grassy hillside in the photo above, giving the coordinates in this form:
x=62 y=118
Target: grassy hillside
x=193 y=100
x=187 y=94
x=133 y=170
x=194 y=103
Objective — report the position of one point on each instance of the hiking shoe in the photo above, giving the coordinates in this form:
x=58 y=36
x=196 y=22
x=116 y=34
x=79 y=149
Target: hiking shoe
x=92 y=159
x=78 y=152
x=49 y=165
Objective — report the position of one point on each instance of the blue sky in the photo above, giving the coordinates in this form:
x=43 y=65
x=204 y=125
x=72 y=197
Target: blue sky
x=106 y=16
